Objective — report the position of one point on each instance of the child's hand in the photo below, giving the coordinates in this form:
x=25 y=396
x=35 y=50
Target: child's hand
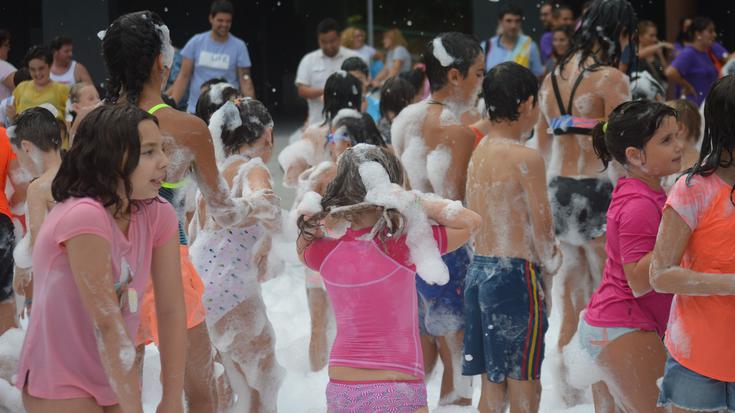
x=21 y=280
x=552 y=264
x=171 y=405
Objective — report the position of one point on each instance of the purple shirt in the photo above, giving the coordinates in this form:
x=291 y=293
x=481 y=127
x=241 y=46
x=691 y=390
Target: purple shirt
x=547 y=46
x=696 y=68
x=632 y=224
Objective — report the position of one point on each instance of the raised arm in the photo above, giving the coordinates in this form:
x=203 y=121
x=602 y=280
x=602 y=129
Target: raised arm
x=667 y=275
x=246 y=82
x=89 y=259
x=169 y=296
x=459 y=222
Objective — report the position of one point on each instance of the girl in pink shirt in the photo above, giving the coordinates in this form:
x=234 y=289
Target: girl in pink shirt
x=96 y=251
x=355 y=238
x=625 y=319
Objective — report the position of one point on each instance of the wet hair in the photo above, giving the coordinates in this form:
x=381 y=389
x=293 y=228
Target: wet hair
x=169 y=100
x=255 y=120
x=205 y=107
x=59 y=42
x=105 y=151
x=683 y=35
x=360 y=130
x=603 y=23
x=630 y=124
x=130 y=48
x=688 y=115
x=38 y=126
x=342 y=90
x=512 y=10
x=21 y=75
x=699 y=24
x=38 y=52
x=505 y=87
x=395 y=94
x=327 y=25
x=4 y=36
x=415 y=76
x=462 y=47
x=719 y=130
x=221 y=6
x=355 y=63
x=210 y=82
x=347 y=189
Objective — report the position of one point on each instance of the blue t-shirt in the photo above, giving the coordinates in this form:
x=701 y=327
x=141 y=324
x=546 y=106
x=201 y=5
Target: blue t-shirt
x=213 y=59
x=524 y=46
x=696 y=68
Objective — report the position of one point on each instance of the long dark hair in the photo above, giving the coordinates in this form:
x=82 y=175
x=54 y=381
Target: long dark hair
x=130 y=48
x=630 y=124
x=348 y=190
x=360 y=130
x=342 y=90
x=603 y=23
x=105 y=151
x=719 y=130
x=255 y=120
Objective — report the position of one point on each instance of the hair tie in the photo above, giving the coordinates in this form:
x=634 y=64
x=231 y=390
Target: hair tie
x=604 y=128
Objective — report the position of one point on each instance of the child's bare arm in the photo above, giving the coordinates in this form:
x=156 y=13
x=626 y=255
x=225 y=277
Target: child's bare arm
x=638 y=275
x=667 y=276
x=460 y=140
x=533 y=182
x=460 y=222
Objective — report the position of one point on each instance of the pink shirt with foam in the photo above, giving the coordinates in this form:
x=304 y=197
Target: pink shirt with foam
x=633 y=219
x=372 y=288
x=60 y=359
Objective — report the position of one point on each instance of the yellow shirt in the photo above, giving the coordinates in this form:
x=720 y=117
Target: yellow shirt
x=26 y=95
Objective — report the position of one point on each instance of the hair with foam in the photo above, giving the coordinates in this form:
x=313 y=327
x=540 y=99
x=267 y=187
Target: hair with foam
x=342 y=90
x=462 y=48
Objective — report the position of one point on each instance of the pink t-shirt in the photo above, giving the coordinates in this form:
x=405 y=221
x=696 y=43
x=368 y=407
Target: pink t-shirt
x=372 y=289
x=632 y=225
x=59 y=359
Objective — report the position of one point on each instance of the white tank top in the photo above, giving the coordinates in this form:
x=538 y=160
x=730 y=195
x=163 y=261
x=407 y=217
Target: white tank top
x=67 y=77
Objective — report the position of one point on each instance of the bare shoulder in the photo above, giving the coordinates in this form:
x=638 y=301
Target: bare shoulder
x=184 y=126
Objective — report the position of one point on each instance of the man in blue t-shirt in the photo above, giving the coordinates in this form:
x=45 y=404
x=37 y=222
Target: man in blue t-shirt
x=215 y=53
x=511 y=45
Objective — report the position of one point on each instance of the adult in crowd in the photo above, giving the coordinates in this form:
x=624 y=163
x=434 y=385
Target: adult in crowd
x=214 y=53
x=353 y=38
x=317 y=66
x=397 y=57
x=561 y=15
x=510 y=45
x=41 y=89
x=652 y=52
x=65 y=69
x=6 y=69
x=561 y=42
x=695 y=68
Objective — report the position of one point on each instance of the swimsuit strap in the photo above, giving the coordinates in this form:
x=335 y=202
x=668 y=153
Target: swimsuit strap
x=172 y=185
x=567 y=109
x=158 y=106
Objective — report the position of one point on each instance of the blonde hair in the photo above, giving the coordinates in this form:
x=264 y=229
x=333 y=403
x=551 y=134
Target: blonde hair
x=76 y=91
x=396 y=37
x=689 y=116
x=347 y=38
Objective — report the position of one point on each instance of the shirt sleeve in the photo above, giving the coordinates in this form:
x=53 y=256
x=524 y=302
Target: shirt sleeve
x=190 y=49
x=535 y=60
x=690 y=200
x=440 y=236
x=243 y=56
x=402 y=54
x=302 y=73
x=637 y=229
x=165 y=222
x=86 y=217
x=547 y=45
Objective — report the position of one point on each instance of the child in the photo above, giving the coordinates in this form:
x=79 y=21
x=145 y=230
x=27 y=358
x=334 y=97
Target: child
x=690 y=130
x=358 y=68
x=37 y=140
x=225 y=257
x=213 y=98
x=375 y=362
x=41 y=89
x=693 y=260
x=625 y=320
x=83 y=96
x=395 y=94
x=505 y=315
x=94 y=255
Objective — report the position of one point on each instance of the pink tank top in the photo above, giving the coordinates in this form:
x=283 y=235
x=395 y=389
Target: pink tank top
x=372 y=288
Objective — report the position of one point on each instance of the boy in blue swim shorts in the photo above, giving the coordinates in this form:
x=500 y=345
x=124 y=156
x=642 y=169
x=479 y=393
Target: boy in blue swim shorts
x=505 y=314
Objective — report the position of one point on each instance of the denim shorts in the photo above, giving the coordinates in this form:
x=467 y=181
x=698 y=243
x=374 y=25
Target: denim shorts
x=688 y=390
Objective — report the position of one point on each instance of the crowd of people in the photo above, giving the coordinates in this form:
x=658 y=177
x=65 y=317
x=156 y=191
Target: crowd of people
x=443 y=209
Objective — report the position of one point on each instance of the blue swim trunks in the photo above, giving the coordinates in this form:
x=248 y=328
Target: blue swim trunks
x=505 y=319
x=441 y=307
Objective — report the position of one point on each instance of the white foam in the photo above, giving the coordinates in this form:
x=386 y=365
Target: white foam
x=215 y=92
x=441 y=54
x=311 y=204
x=346 y=113
x=228 y=116
x=438 y=163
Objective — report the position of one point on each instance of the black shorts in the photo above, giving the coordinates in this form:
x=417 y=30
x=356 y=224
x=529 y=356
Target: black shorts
x=7 y=265
x=579 y=207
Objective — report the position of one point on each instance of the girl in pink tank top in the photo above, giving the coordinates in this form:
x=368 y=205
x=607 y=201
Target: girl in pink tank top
x=108 y=236
x=366 y=236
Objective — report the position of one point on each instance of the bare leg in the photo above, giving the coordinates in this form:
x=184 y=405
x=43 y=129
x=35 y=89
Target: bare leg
x=524 y=396
x=603 y=400
x=573 y=276
x=430 y=352
x=454 y=385
x=632 y=364
x=318 y=309
x=7 y=315
x=493 y=398
x=81 y=405
x=200 y=387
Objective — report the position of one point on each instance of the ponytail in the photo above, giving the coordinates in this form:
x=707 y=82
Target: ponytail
x=599 y=145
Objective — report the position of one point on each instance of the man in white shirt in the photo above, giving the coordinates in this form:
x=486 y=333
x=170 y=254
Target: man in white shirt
x=315 y=67
x=65 y=69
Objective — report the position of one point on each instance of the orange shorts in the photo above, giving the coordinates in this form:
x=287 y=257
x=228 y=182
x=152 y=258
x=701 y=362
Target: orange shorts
x=193 y=292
